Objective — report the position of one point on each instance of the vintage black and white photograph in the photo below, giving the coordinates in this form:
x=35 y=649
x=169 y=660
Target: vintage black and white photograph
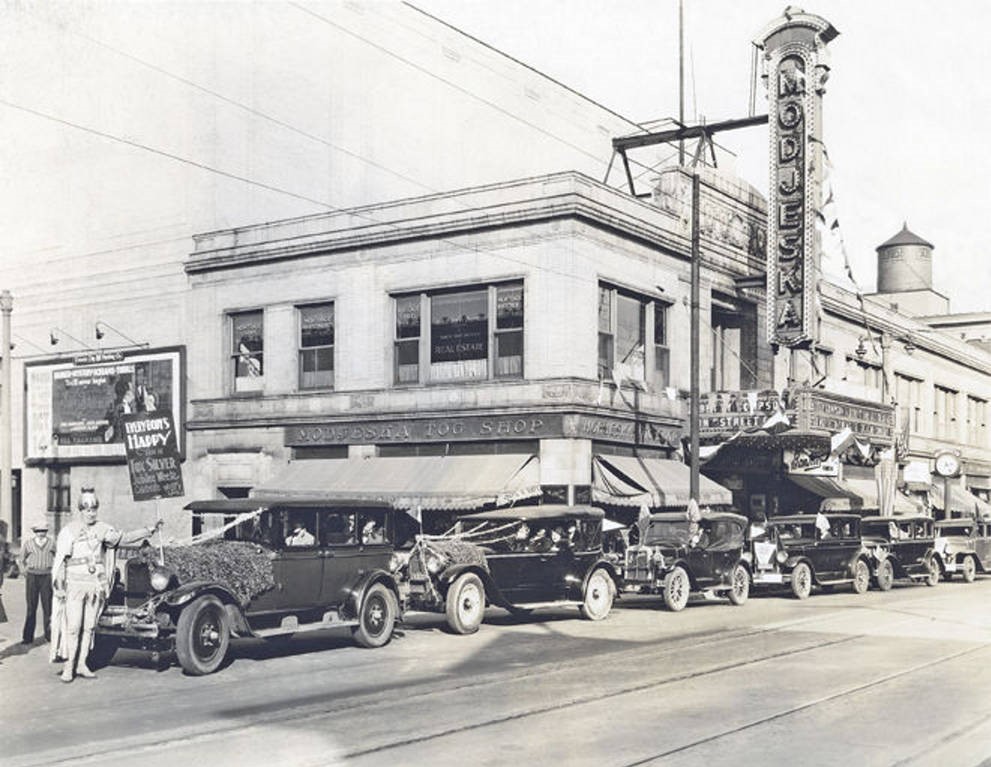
x=495 y=382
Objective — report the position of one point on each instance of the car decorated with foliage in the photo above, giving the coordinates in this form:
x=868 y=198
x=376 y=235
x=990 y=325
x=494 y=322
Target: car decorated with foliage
x=964 y=545
x=519 y=559
x=676 y=556
x=806 y=550
x=901 y=547
x=258 y=568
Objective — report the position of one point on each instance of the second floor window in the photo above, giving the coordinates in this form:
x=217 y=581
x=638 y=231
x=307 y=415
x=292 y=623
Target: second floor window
x=247 y=350
x=460 y=335
x=977 y=421
x=633 y=344
x=908 y=395
x=316 y=346
x=944 y=413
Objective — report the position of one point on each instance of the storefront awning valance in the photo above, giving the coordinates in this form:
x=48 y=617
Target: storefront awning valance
x=457 y=482
x=978 y=482
x=653 y=482
x=850 y=494
x=962 y=502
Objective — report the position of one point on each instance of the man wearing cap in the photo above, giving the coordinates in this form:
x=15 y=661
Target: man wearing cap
x=37 y=556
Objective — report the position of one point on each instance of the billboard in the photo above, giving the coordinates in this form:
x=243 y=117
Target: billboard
x=75 y=408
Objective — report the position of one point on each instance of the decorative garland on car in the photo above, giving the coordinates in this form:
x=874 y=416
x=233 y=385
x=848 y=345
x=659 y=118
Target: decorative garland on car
x=244 y=569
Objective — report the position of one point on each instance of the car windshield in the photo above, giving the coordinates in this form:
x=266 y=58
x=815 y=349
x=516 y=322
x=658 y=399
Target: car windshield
x=675 y=532
x=724 y=534
x=795 y=532
x=954 y=529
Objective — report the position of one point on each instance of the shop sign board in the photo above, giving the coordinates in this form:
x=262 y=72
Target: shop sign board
x=811 y=464
x=484 y=428
x=823 y=411
x=732 y=411
x=75 y=408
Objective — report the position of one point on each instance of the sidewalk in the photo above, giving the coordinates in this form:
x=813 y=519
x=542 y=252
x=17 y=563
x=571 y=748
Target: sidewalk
x=12 y=591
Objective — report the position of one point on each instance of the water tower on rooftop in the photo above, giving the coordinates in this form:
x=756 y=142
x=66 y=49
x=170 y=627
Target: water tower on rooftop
x=905 y=275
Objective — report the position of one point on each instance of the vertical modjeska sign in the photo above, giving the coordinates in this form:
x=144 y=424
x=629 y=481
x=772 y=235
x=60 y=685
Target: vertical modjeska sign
x=795 y=59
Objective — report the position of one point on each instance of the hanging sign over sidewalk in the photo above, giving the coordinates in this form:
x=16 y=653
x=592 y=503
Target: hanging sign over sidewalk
x=152 y=455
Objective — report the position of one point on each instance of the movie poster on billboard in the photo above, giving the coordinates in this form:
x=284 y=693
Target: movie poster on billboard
x=75 y=406
x=152 y=455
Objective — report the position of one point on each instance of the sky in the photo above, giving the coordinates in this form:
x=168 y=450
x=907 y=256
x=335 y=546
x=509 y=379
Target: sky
x=905 y=113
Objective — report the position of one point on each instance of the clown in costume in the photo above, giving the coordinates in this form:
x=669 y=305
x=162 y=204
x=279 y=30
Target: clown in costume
x=82 y=577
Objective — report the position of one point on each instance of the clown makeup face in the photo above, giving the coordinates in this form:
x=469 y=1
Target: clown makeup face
x=88 y=506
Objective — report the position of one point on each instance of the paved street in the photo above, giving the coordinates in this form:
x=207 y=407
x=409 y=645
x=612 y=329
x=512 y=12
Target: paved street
x=898 y=678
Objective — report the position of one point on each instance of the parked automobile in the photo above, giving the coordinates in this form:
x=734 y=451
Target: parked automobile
x=519 y=559
x=272 y=570
x=901 y=547
x=964 y=545
x=675 y=558
x=805 y=550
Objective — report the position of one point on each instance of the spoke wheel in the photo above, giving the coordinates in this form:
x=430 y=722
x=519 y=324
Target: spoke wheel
x=677 y=588
x=968 y=569
x=599 y=593
x=861 y=577
x=801 y=581
x=933 y=577
x=740 y=582
x=465 y=605
x=202 y=636
x=885 y=575
x=376 y=617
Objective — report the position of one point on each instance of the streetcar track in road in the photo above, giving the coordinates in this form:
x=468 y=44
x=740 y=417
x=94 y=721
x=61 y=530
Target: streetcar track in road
x=596 y=698
x=949 y=737
x=805 y=706
x=285 y=713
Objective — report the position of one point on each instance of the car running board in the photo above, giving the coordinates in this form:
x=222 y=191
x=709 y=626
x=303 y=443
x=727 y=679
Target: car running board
x=290 y=625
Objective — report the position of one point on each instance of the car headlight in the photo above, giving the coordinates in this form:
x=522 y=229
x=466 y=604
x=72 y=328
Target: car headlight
x=434 y=563
x=782 y=557
x=160 y=579
x=658 y=559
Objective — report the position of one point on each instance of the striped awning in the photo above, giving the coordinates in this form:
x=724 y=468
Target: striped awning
x=652 y=482
x=962 y=502
x=851 y=494
x=459 y=482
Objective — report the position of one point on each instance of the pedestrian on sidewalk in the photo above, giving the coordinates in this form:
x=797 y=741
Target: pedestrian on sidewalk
x=37 y=557
x=82 y=576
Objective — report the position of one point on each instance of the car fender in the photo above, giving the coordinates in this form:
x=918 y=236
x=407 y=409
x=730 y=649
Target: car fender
x=356 y=594
x=860 y=556
x=606 y=565
x=452 y=573
x=939 y=560
x=684 y=565
x=792 y=562
x=187 y=592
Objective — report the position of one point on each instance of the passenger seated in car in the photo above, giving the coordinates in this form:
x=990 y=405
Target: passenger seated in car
x=521 y=540
x=300 y=536
x=372 y=532
x=541 y=542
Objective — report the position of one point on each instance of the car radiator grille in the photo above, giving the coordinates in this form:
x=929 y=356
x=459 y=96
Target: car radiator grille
x=638 y=567
x=137 y=582
x=416 y=569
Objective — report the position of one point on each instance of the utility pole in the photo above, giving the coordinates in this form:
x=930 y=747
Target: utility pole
x=6 y=484
x=695 y=361
x=681 y=80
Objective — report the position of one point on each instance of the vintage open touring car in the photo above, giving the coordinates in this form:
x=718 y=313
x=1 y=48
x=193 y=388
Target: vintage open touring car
x=520 y=559
x=806 y=550
x=267 y=568
x=901 y=547
x=675 y=558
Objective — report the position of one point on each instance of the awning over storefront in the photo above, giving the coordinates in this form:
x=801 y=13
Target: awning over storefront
x=962 y=503
x=458 y=482
x=654 y=482
x=978 y=482
x=850 y=494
